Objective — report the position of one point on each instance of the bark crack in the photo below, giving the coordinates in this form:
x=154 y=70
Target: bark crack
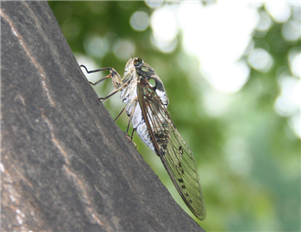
x=33 y=60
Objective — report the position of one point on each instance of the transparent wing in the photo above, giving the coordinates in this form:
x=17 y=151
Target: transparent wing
x=171 y=148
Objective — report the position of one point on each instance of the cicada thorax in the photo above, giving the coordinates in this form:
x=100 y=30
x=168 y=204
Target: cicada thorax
x=133 y=75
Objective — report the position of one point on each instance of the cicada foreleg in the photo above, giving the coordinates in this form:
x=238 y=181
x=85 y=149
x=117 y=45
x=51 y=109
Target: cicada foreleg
x=116 y=80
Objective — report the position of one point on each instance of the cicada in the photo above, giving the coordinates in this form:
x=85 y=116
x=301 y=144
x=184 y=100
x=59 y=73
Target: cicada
x=146 y=103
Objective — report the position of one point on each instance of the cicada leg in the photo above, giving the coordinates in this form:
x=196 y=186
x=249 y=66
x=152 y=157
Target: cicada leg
x=102 y=99
x=119 y=114
x=131 y=138
x=127 y=135
x=116 y=79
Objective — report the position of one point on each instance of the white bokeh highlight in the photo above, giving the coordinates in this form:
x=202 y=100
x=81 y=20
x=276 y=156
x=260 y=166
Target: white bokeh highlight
x=139 y=21
x=291 y=30
x=163 y=23
x=123 y=49
x=280 y=10
x=218 y=35
x=260 y=60
x=96 y=46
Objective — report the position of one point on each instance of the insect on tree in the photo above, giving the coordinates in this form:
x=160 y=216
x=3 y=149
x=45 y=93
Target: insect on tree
x=146 y=101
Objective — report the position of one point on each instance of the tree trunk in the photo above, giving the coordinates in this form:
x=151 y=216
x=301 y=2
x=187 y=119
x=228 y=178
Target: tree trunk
x=65 y=164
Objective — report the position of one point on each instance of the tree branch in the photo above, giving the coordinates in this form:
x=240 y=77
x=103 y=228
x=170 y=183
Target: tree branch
x=65 y=164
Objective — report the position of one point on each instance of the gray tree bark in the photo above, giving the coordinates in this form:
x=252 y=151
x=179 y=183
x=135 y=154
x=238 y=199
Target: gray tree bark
x=65 y=164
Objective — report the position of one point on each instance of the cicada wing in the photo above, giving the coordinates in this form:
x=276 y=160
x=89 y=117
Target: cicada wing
x=175 y=155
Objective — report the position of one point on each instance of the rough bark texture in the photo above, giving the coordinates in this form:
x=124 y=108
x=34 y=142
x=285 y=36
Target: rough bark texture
x=65 y=164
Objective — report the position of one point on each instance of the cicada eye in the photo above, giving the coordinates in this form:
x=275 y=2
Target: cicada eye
x=152 y=83
x=138 y=61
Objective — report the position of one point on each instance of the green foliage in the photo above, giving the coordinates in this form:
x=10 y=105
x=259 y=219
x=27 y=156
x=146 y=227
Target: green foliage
x=248 y=157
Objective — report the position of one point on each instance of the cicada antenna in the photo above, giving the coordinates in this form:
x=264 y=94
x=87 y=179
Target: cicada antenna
x=130 y=53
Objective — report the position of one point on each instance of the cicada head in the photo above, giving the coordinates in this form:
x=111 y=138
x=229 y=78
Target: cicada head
x=130 y=71
x=135 y=65
x=151 y=80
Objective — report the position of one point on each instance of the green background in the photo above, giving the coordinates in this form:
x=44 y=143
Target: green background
x=264 y=196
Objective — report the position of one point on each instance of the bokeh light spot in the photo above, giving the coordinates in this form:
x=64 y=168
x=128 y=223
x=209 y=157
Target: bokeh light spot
x=96 y=46
x=123 y=49
x=291 y=30
x=279 y=10
x=153 y=3
x=229 y=78
x=164 y=46
x=139 y=20
x=71 y=28
x=260 y=60
x=294 y=61
x=223 y=101
x=219 y=50
x=237 y=157
x=295 y=123
x=164 y=24
x=289 y=100
x=264 y=22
